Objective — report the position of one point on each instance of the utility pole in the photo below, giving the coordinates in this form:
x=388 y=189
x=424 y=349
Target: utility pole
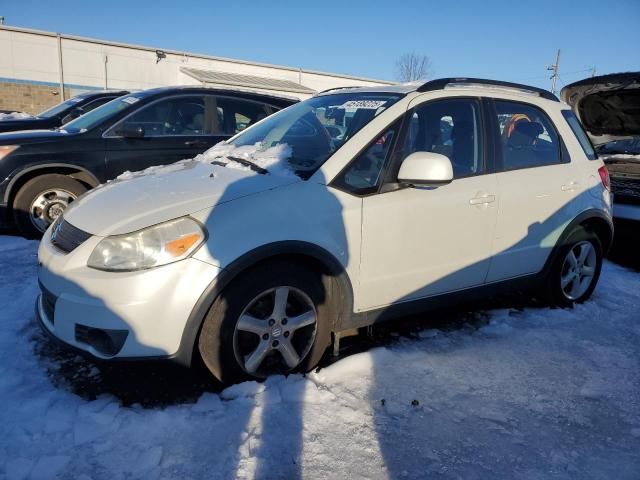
x=554 y=77
x=593 y=72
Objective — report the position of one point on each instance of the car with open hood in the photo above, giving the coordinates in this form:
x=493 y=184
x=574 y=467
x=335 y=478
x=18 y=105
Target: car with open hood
x=43 y=171
x=346 y=209
x=59 y=114
x=608 y=107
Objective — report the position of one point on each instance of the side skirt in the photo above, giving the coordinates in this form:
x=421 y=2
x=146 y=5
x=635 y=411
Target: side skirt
x=423 y=305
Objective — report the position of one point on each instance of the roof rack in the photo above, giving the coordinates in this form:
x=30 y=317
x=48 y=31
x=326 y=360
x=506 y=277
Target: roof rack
x=441 y=83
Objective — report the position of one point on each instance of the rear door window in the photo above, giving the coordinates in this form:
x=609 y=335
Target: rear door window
x=236 y=114
x=527 y=137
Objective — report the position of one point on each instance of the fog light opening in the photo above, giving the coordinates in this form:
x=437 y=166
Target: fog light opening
x=105 y=341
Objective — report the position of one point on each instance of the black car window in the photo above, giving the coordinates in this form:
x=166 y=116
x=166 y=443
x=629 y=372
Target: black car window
x=527 y=136
x=236 y=114
x=451 y=128
x=61 y=108
x=98 y=102
x=183 y=115
x=100 y=115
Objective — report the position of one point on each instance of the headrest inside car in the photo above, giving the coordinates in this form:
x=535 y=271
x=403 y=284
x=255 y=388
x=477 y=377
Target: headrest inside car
x=529 y=129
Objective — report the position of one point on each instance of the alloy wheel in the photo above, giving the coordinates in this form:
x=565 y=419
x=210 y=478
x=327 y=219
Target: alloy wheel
x=275 y=331
x=578 y=270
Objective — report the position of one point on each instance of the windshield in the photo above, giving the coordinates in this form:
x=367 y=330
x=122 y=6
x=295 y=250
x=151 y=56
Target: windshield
x=60 y=108
x=97 y=116
x=630 y=146
x=311 y=131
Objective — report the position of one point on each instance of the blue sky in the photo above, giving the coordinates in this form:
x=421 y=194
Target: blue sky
x=507 y=40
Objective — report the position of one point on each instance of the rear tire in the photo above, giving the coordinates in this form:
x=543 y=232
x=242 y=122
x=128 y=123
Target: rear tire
x=43 y=199
x=576 y=269
x=245 y=337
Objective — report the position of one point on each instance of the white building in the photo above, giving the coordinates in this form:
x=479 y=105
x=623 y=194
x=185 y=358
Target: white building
x=36 y=66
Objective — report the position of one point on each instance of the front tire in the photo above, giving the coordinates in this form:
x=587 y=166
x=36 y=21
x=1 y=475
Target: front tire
x=576 y=269
x=42 y=200
x=273 y=319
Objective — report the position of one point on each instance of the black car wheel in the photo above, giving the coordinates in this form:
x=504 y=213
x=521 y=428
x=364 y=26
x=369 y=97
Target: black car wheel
x=575 y=270
x=272 y=320
x=42 y=200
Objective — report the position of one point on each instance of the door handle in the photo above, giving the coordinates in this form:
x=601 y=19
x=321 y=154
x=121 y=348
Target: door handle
x=196 y=143
x=482 y=200
x=569 y=187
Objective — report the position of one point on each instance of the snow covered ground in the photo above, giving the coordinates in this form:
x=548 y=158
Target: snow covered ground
x=519 y=394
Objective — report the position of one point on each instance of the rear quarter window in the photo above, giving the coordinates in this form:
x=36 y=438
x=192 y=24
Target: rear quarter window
x=580 y=134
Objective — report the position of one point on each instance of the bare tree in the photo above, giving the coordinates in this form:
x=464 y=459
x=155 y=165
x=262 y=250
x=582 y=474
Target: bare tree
x=412 y=66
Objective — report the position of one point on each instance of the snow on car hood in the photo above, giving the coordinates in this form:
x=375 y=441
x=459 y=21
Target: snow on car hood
x=158 y=194
x=274 y=159
x=608 y=106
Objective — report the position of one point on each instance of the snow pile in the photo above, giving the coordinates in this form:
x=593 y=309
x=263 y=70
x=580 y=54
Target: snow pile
x=274 y=159
x=14 y=116
x=523 y=394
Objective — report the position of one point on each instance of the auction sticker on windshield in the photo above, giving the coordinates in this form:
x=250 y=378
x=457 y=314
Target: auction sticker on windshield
x=368 y=104
x=130 y=100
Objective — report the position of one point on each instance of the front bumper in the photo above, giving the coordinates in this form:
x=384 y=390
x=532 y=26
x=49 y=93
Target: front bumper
x=143 y=313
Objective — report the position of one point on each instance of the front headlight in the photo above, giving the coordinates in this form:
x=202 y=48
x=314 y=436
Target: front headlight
x=154 y=246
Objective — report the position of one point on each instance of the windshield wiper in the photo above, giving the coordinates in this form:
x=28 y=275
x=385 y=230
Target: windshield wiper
x=248 y=163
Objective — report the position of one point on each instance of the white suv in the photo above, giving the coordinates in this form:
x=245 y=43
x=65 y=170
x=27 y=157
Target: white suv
x=349 y=208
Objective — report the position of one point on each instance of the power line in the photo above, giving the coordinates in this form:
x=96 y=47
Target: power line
x=554 y=67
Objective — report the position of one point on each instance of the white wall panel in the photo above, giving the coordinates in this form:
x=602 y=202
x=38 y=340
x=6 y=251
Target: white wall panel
x=31 y=55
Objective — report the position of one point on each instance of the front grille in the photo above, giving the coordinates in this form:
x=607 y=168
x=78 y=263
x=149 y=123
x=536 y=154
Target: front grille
x=625 y=191
x=66 y=237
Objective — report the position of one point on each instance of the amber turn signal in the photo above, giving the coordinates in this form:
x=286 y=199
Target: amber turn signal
x=179 y=246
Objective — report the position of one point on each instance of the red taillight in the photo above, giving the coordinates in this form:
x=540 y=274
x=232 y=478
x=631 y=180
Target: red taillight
x=604 y=176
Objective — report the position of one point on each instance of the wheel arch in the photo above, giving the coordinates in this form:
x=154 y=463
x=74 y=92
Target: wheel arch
x=335 y=277
x=80 y=174
x=593 y=220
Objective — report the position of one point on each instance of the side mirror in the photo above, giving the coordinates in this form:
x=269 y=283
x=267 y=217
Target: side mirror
x=75 y=113
x=131 y=131
x=426 y=169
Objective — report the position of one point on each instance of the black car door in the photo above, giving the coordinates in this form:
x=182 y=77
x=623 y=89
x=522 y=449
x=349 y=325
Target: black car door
x=162 y=132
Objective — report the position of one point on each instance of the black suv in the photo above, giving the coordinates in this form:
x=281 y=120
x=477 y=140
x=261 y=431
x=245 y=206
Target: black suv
x=62 y=113
x=42 y=171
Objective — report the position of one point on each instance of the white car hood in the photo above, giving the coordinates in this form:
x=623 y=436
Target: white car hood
x=142 y=199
